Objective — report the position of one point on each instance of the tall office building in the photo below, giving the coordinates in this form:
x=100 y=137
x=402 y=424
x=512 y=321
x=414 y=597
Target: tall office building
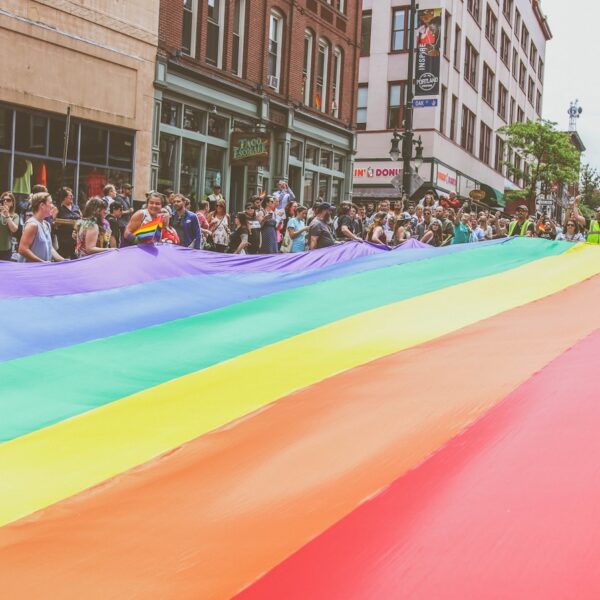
x=491 y=73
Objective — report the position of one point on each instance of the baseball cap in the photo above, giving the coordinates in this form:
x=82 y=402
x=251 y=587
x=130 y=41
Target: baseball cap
x=522 y=207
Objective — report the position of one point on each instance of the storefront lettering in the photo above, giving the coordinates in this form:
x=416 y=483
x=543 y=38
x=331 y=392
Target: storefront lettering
x=447 y=179
x=371 y=172
x=250 y=148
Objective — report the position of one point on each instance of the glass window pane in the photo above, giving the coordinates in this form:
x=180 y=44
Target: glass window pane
x=190 y=171
x=6 y=118
x=4 y=171
x=120 y=152
x=324 y=186
x=363 y=94
x=167 y=162
x=194 y=119
x=214 y=169
x=57 y=138
x=93 y=144
x=217 y=126
x=336 y=190
x=395 y=95
x=91 y=182
x=325 y=159
x=309 y=187
x=311 y=155
x=171 y=113
x=296 y=149
x=338 y=162
x=31 y=133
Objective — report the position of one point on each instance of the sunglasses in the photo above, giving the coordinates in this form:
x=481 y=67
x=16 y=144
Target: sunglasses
x=570 y=224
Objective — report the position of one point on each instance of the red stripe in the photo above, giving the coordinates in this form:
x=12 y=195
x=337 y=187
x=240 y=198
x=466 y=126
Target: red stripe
x=510 y=509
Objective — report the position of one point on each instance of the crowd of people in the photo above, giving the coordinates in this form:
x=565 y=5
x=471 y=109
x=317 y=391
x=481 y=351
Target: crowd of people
x=58 y=229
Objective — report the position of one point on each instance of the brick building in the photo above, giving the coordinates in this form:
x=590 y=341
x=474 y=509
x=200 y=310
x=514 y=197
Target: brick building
x=248 y=92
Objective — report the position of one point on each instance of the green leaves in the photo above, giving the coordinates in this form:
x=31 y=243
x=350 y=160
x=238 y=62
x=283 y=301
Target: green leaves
x=544 y=155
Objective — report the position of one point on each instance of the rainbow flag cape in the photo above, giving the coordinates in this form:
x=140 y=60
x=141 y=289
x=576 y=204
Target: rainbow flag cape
x=346 y=423
x=150 y=232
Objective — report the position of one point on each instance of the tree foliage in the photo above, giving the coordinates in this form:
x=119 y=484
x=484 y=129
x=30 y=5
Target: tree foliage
x=548 y=156
x=589 y=186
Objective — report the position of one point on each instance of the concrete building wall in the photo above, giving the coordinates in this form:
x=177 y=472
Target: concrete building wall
x=96 y=56
x=383 y=66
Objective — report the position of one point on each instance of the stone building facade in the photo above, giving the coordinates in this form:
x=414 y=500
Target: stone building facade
x=93 y=58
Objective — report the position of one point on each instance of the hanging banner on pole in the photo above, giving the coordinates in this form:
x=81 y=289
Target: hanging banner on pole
x=427 y=76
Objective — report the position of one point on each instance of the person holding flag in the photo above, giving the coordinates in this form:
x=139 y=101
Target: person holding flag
x=145 y=226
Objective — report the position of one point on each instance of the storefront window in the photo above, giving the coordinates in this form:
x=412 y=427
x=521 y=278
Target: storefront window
x=338 y=162
x=325 y=159
x=311 y=155
x=93 y=144
x=171 y=113
x=92 y=181
x=217 y=127
x=39 y=144
x=6 y=118
x=336 y=191
x=4 y=171
x=36 y=171
x=194 y=120
x=57 y=138
x=31 y=133
x=190 y=171
x=168 y=162
x=310 y=185
x=214 y=169
x=296 y=149
x=120 y=150
x=324 y=181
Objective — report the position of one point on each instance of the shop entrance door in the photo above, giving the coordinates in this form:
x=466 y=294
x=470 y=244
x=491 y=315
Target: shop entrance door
x=295 y=181
x=237 y=197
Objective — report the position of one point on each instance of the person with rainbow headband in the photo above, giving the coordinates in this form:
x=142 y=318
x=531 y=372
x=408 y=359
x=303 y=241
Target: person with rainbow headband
x=145 y=225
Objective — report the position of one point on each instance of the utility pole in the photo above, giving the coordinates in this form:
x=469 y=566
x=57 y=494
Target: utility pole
x=407 y=138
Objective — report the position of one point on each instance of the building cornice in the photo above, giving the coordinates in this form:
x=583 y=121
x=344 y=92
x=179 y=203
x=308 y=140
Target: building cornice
x=541 y=19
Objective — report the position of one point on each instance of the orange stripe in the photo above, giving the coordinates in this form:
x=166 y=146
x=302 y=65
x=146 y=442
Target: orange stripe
x=209 y=518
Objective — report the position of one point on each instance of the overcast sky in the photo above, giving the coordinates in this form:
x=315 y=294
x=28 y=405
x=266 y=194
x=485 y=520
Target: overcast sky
x=573 y=69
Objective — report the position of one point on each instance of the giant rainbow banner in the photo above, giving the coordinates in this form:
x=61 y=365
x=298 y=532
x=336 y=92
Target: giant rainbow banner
x=346 y=423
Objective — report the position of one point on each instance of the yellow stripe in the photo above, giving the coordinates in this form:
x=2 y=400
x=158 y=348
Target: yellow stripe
x=56 y=462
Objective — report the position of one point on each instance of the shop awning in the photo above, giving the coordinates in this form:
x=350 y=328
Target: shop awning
x=493 y=197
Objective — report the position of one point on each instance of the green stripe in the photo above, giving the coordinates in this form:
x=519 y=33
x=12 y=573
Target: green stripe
x=45 y=388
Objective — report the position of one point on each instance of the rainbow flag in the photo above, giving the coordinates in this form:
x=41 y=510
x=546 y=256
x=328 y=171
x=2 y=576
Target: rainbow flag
x=150 y=232
x=344 y=423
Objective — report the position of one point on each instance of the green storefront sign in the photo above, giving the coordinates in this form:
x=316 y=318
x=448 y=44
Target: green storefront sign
x=250 y=149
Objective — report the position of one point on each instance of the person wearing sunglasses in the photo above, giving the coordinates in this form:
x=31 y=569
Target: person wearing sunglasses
x=571 y=233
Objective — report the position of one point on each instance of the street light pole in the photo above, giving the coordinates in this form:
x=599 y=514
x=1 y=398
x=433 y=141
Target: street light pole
x=407 y=138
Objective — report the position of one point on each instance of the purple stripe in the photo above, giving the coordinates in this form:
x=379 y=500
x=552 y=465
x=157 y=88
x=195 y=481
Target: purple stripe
x=140 y=264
